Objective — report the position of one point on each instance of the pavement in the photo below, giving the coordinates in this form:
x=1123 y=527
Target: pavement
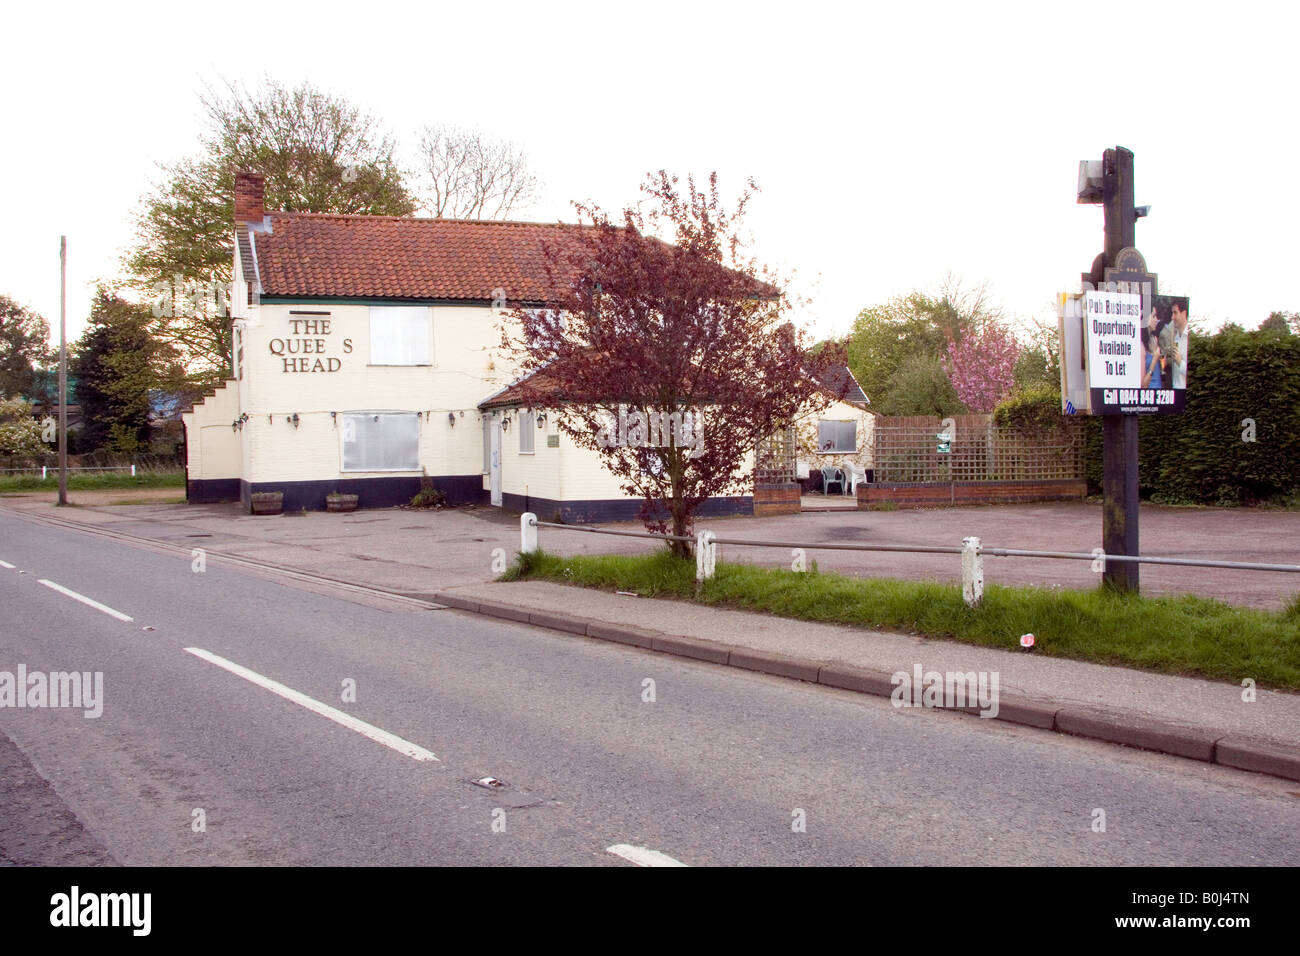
x=447 y=557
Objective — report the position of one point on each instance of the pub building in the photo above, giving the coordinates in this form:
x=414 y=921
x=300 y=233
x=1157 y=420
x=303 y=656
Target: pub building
x=366 y=357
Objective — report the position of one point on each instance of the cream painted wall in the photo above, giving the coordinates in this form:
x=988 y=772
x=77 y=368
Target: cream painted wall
x=806 y=428
x=540 y=474
x=466 y=366
x=212 y=446
x=566 y=473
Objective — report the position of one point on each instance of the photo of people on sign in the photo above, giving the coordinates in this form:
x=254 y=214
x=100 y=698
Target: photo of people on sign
x=1136 y=364
x=1168 y=325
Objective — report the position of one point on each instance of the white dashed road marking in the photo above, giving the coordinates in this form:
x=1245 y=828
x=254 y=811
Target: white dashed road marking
x=641 y=856
x=325 y=710
x=87 y=601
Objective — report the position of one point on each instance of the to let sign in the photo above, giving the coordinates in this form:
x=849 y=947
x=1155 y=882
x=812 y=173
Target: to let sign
x=1113 y=325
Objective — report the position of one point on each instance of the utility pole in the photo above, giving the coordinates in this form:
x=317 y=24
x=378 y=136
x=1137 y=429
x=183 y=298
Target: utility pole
x=1119 y=483
x=63 y=370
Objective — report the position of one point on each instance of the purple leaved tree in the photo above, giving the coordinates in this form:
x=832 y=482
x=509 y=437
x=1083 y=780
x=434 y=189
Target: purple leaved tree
x=646 y=329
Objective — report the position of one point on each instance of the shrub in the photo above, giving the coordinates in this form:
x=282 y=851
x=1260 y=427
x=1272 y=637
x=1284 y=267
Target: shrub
x=428 y=496
x=1199 y=457
x=20 y=433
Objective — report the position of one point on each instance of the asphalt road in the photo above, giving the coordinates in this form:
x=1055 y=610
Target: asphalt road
x=714 y=771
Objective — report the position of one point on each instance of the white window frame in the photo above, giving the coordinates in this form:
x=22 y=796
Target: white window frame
x=394 y=323
x=837 y=449
x=350 y=421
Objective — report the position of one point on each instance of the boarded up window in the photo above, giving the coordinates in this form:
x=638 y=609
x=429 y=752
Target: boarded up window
x=399 y=335
x=381 y=441
x=527 y=429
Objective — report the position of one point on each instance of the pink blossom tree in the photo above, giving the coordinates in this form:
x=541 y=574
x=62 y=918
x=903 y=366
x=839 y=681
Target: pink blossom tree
x=981 y=365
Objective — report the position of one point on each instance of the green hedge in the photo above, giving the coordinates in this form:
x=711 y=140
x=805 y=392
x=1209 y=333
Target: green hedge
x=1199 y=457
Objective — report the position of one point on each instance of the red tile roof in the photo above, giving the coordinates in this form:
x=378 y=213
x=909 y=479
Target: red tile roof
x=537 y=388
x=392 y=257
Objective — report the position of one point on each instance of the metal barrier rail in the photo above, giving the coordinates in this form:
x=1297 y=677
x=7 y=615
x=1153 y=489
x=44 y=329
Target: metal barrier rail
x=1141 y=559
x=944 y=549
x=626 y=534
x=46 y=469
x=972 y=553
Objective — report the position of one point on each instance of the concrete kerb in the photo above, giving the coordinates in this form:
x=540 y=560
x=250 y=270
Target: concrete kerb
x=1260 y=756
x=621 y=634
x=1194 y=743
x=1127 y=729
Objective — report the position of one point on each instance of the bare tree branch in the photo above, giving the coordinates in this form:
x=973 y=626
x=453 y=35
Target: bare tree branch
x=463 y=175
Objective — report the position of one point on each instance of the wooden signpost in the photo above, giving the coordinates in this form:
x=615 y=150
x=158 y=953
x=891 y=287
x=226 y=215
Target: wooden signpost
x=1119 y=262
x=1123 y=353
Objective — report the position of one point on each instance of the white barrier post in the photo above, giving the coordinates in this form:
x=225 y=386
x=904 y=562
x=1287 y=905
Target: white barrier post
x=972 y=572
x=528 y=532
x=706 y=555
x=133 y=471
x=44 y=470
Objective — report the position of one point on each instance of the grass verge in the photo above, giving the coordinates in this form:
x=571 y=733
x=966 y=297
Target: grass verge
x=94 y=481
x=1175 y=635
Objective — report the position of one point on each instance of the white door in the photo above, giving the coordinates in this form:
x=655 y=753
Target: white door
x=494 y=480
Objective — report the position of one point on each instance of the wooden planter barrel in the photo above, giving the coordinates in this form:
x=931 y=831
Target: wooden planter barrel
x=341 y=502
x=267 y=502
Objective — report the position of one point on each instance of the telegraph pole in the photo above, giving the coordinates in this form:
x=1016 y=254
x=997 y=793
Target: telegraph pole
x=1119 y=483
x=63 y=370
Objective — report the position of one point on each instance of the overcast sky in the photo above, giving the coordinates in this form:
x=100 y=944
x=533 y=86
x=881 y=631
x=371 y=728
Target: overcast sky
x=893 y=144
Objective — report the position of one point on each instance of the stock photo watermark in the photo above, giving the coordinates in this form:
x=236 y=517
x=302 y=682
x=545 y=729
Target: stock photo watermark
x=82 y=690
x=184 y=296
x=130 y=910
x=634 y=428
x=947 y=690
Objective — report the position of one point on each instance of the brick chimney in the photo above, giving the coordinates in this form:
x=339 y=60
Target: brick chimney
x=250 y=204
